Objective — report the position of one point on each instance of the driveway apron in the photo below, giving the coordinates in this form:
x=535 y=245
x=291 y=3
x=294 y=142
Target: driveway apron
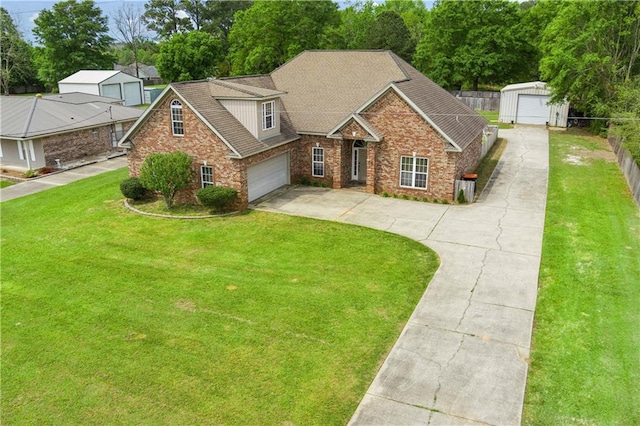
x=462 y=357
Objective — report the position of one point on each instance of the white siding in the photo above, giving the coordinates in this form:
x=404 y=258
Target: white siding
x=245 y=112
x=92 y=89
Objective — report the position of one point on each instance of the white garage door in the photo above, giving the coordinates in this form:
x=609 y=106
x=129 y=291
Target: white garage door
x=268 y=175
x=533 y=109
x=132 y=94
x=111 y=91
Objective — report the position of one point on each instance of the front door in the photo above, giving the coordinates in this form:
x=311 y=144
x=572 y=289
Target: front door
x=359 y=164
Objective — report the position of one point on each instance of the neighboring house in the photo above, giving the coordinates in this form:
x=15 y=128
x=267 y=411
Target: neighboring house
x=44 y=131
x=148 y=73
x=528 y=103
x=112 y=84
x=340 y=118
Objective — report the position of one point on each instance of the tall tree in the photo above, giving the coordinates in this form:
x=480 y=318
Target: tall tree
x=590 y=48
x=351 y=33
x=74 y=36
x=166 y=17
x=197 y=12
x=189 y=56
x=472 y=42
x=389 y=32
x=16 y=62
x=269 y=33
x=412 y=12
x=130 y=30
x=626 y=116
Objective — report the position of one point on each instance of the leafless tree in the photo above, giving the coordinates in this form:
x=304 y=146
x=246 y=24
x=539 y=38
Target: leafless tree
x=130 y=29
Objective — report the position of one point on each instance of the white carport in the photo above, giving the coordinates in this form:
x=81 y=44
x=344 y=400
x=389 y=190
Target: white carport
x=528 y=103
x=112 y=84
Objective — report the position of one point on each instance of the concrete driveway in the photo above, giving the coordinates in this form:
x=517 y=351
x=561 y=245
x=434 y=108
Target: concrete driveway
x=61 y=178
x=462 y=357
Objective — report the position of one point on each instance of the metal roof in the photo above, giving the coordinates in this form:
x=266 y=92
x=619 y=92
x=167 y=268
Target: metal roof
x=90 y=76
x=30 y=117
x=528 y=85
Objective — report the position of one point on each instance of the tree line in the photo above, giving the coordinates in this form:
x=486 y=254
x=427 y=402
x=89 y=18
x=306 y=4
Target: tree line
x=587 y=51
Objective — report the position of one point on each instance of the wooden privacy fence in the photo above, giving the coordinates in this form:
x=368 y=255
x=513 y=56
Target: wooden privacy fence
x=468 y=187
x=629 y=168
x=483 y=101
x=489 y=137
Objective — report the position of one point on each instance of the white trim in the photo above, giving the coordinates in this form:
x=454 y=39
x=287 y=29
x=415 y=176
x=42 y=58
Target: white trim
x=314 y=162
x=203 y=182
x=414 y=173
x=177 y=117
x=20 y=149
x=362 y=122
x=32 y=151
x=1 y=149
x=271 y=115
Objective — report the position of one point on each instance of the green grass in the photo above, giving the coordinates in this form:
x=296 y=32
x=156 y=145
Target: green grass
x=110 y=317
x=488 y=165
x=585 y=361
x=5 y=183
x=492 y=117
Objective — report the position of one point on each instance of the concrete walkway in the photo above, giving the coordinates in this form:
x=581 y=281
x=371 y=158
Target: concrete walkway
x=462 y=357
x=61 y=178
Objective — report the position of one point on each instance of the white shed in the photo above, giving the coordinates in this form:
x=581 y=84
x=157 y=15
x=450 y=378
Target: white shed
x=112 y=84
x=528 y=103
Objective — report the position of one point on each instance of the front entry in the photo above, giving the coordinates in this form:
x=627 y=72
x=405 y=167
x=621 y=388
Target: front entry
x=359 y=163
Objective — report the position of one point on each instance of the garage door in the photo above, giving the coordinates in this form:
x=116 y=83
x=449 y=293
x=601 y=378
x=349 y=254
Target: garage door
x=268 y=175
x=132 y=94
x=533 y=109
x=111 y=91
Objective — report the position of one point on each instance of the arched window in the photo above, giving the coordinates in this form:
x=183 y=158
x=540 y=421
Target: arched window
x=177 y=125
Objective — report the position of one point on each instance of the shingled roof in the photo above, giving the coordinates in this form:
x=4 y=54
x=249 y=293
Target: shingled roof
x=322 y=89
x=201 y=96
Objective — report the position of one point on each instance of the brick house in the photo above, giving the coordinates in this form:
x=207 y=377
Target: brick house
x=45 y=131
x=341 y=118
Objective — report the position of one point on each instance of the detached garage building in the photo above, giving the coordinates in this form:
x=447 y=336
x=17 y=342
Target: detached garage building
x=111 y=84
x=528 y=103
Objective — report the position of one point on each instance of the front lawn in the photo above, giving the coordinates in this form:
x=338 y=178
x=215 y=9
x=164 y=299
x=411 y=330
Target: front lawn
x=585 y=360
x=5 y=183
x=109 y=317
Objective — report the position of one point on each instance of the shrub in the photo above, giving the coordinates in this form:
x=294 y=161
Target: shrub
x=218 y=198
x=461 y=198
x=167 y=174
x=132 y=188
x=385 y=194
x=29 y=174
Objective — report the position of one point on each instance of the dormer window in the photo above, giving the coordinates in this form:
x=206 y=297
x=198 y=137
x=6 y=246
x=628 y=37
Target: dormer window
x=177 y=125
x=268 y=115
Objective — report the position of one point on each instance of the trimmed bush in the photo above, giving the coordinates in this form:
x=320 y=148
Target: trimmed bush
x=218 y=198
x=132 y=188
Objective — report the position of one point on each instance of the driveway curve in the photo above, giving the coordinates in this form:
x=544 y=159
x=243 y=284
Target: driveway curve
x=462 y=357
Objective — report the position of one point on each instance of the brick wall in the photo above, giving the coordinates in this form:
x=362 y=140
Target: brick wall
x=74 y=146
x=406 y=133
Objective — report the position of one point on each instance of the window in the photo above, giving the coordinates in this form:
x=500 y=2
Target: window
x=177 y=126
x=26 y=149
x=413 y=172
x=268 y=115
x=95 y=133
x=317 y=160
x=206 y=176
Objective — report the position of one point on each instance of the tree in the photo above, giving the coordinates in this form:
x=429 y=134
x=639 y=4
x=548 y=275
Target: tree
x=351 y=33
x=588 y=50
x=130 y=29
x=472 y=42
x=389 y=32
x=189 y=56
x=16 y=62
x=413 y=14
x=626 y=116
x=165 y=17
x=74 y=36
x=269 y=33
x=167 y=174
